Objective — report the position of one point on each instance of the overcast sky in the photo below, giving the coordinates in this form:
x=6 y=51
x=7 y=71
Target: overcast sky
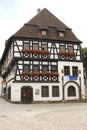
x=14 y=13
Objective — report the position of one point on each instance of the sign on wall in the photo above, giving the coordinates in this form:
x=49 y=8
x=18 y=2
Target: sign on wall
x=72 y=77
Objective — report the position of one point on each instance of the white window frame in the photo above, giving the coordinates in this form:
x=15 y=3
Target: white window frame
x=44 y=32
x=61 y=34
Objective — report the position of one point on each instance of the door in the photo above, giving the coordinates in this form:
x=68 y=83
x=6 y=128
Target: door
x=9 y=93
x=26 y=94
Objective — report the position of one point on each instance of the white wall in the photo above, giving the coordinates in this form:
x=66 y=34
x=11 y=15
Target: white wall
x=16 y=91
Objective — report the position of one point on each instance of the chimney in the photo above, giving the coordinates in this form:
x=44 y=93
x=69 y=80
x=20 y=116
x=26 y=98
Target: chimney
x=38 y=10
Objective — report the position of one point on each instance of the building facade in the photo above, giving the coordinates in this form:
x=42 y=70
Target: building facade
x=42 y=62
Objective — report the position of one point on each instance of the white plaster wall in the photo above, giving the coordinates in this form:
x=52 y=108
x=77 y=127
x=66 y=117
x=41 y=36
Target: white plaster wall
x=16 y=91
x=50 y=98
x=83 y=87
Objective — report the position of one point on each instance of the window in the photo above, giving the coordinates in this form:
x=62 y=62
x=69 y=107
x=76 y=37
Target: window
x=44 y=46
x=75 y=71
x=35 y=46
x=26 y=45
x=44 y=32
x=44 y=91
x=54 y=68
x=45 y=68
x=36 y=68
x=70 y=49
x=61 y=34
x=55 y=91
x=26 y=68
x=71 y=91
x=62 y=48
x=66 y=70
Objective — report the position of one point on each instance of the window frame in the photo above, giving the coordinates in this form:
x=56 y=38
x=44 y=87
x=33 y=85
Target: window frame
x=75 y=70
x=61 y=34
x=44 y=48
x=28 y=45
x=28 y=69
x=44 y=91
x=66 y=70
x=56 y=68
x=55 y=91
x=43 y=32
x=45 y=66
x=70 y=92
x=64 y=48
x=37 y=46
x=71 y=47
x=36 y=66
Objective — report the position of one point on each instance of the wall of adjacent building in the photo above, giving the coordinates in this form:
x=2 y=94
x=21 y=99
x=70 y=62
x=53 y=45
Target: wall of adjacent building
x=0 y=85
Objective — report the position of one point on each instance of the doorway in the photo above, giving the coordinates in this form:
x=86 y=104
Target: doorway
x=26 y=94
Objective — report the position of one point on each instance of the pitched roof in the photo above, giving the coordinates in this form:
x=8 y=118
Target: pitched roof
x=46 y=20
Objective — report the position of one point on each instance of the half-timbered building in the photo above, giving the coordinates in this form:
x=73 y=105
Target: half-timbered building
x=42 y=62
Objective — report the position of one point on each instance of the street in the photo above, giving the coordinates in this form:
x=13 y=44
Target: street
x=60 y=116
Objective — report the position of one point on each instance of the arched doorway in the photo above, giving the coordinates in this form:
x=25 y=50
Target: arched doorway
x=71 y=91
x=26 y=94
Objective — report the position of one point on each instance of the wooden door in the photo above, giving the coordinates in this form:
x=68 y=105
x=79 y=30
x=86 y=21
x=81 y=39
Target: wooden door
x=26 y=94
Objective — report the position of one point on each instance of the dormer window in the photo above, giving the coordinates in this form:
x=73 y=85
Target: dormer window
x=44 y=32
x=61 y=34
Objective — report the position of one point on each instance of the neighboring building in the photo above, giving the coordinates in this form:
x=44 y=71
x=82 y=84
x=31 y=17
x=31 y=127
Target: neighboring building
x=1 y=86
x=42 y=62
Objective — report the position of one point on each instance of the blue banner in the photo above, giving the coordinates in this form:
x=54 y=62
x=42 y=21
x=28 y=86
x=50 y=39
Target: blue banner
x=73 y=77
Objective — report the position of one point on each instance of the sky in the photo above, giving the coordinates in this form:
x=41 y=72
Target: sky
x=15 y=13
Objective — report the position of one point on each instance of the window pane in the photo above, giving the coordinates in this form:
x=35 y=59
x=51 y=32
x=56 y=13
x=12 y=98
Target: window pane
x=71 y=91
x=66 y=70
x=55 y=91
x=45 y=68
x=26 y=45
x=45 y=91
x=44 y=46
x=43 y=32
x=36 y=68
x=75 y=71
x=26 y=68
x=62 y=48
x=70 y=48
x=35 y=46
x=54 y=68
x=61 y=34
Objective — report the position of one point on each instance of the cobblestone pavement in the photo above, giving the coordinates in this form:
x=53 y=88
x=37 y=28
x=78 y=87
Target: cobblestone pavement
x=62 y=116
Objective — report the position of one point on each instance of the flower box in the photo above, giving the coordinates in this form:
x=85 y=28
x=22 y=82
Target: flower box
x=66 y=54
x=38 y=52
x=43 y=52
x=33 y=74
